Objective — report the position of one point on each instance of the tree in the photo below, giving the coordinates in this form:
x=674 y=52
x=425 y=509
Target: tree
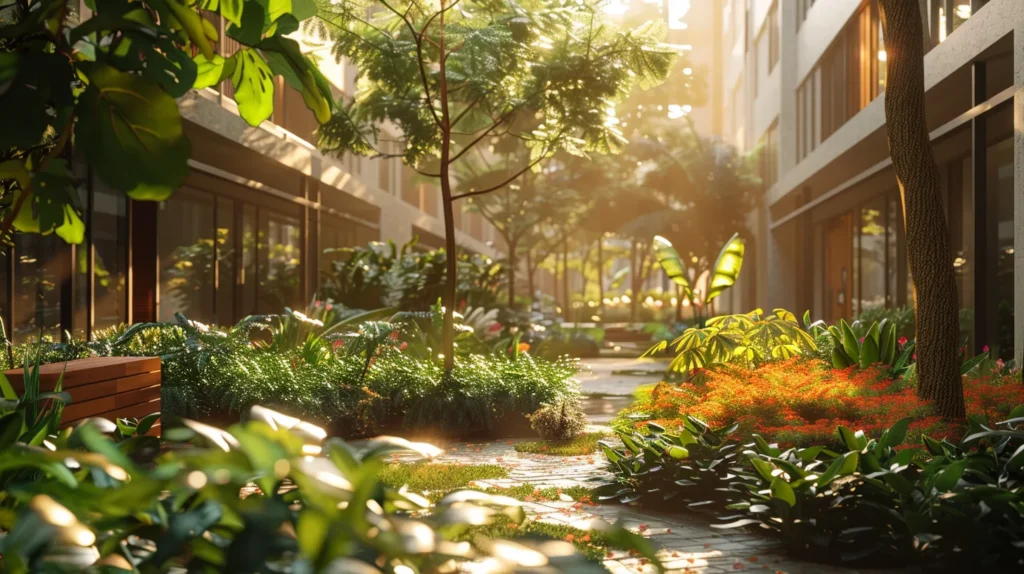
x=928 y=250
x=451 y=75
x=107 y=85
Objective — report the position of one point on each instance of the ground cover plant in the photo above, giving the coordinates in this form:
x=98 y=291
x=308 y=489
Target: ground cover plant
x=582 y=445
x=876 y=499
x=270 y=494
x=801 y=402
x=365 y=378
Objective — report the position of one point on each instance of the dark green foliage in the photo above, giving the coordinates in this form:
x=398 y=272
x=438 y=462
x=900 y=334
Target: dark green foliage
x=386 y=275
x=87 y=505
x=360 y=378
x=956 y=504
x=107 y=84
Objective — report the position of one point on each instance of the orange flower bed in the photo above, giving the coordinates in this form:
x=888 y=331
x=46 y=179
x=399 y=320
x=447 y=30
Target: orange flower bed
x=801 y=402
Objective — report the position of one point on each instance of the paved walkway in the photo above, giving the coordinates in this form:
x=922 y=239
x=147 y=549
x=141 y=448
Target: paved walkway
x=608 y=389
x=687 y=543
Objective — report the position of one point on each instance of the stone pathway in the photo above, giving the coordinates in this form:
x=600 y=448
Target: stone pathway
x=686 y=542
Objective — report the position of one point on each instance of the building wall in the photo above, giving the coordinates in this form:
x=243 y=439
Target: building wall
x=247 y=233
x=830 y=155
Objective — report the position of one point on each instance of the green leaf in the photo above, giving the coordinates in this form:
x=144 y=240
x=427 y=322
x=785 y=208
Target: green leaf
x=250 y=29
x=232 y=11
x=254 y=87
x=840 y=360
x=854 y=441
x=970 y=364
x=850 y=344
x=7 y=388
x=147 y=423
x=783 y=491
x=212 y=72
x=192 y=23
x=671 y=263
x=727 y=268
x=869 y=353
x=764 y=468
x=286 y=58
x=888 y=344
x=896 y=434
x=948 y=478
x=131 y=133
x=677 y=452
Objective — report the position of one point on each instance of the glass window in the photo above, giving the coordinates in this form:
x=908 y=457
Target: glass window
x=774 y=49
x=872 y=253
x=1001 y=201
x=185 y=247
x=40 y=266
x=247 y=270
x=227 y=238
x=280 y=262
x=109 y=232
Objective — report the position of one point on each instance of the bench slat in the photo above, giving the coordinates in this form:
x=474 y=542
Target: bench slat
x=104 y=405
x=86 y=371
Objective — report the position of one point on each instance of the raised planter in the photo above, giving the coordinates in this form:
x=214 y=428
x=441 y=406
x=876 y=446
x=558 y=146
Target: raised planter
x=108 y=387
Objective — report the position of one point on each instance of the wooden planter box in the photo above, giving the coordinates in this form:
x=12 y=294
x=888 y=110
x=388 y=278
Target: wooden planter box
x=108 y=387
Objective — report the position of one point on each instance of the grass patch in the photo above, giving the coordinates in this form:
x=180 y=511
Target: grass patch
x=438 y=478
x=591 y=544
x=582 y=445
x=530 y=493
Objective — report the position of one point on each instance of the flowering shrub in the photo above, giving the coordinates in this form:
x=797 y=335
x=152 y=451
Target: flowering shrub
x=800 y=402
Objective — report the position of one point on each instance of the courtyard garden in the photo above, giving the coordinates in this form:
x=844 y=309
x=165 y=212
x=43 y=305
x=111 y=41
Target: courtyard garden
x=570 y=379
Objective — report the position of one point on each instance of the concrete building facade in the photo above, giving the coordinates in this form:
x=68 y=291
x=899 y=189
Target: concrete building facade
x=802 y=83
x=246 y=234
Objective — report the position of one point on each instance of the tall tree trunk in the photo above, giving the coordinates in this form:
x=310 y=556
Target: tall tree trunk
x=530 y=269
x=566 y=299
x=600 y=273
x=448 y=327
x=634 y=273
x=928 y=251
x=512 y=263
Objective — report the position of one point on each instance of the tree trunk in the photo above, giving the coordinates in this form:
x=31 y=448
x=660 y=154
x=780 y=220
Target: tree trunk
x=512 y=262
x=634 y=272
x=600 y=274
x=530 y=269
x=448 y=327
x=928 y=251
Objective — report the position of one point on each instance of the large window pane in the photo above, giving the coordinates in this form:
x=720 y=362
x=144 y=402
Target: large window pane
x=110 y=242
x=185 y=239
x=41 y=265
x=247 y=273
x=872 y=251
x=280 y=258
x=226 y=245
x=1000 y=184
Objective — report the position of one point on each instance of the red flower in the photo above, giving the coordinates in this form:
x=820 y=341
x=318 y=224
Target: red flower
x=984 y=349
x=902 y=341
x=403 y=346
x=337 y=343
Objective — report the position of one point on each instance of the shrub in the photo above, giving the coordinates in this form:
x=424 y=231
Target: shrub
x=560 y=420
x=583 y=445
x=85 y=506
x=801 y=402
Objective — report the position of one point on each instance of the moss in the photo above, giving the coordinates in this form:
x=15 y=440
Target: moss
x=584 y=444
x=438 y=479
x=531 y=493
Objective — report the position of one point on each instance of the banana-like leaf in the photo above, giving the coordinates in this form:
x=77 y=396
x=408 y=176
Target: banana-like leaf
x=869 y=353
x=672 y=264
x=619 y=277
x=727 y=267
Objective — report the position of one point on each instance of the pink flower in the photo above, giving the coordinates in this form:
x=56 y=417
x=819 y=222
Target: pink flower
x=984 y=349
x=329 y=307
x=403 y=346
x=337 y=343
x=862 y=339
x=394 y=335
x=495 y=327
x=902 y=341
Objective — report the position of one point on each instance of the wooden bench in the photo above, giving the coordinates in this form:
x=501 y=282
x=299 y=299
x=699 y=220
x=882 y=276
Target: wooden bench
x=108 y=387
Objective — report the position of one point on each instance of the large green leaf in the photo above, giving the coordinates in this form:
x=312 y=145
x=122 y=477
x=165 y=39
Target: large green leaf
x=209 y=73
x=727 y=267
x=254 y=87
x=869 y=352
x=850 y=344
x=131 y=133
x=286 y=58
x=671 y=263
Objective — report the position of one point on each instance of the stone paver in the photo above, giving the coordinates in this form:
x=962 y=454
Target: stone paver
x=686 y=542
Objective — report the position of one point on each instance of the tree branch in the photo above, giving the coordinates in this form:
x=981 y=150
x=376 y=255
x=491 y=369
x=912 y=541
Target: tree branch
x=502 y=184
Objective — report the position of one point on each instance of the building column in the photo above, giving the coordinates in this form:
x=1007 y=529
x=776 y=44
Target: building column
x=788 y=123
x=1018 y=185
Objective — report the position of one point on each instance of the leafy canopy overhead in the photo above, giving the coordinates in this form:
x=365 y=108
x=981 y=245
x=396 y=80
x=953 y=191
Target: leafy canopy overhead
x=548 y=72
x=107 y=84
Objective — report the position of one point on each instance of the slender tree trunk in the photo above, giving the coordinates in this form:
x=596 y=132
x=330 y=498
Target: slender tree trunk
x=566 y=302
x=679 y=304
x=448 y=327
x=634 y=272
x=530 y=269
x=928 y=251
x=512 y=263
x=600 y=273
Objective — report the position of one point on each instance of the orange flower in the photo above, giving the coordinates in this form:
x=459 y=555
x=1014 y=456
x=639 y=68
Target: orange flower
x=523 y=347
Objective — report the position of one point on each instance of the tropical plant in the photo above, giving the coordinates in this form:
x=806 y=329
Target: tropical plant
x=73 y=80
x=85 y=505
x=560 y=420
x=701 y=286
x=544 y=71
x=749 y=339
x=692 y=467
x=878 y=345
x=382 y=274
